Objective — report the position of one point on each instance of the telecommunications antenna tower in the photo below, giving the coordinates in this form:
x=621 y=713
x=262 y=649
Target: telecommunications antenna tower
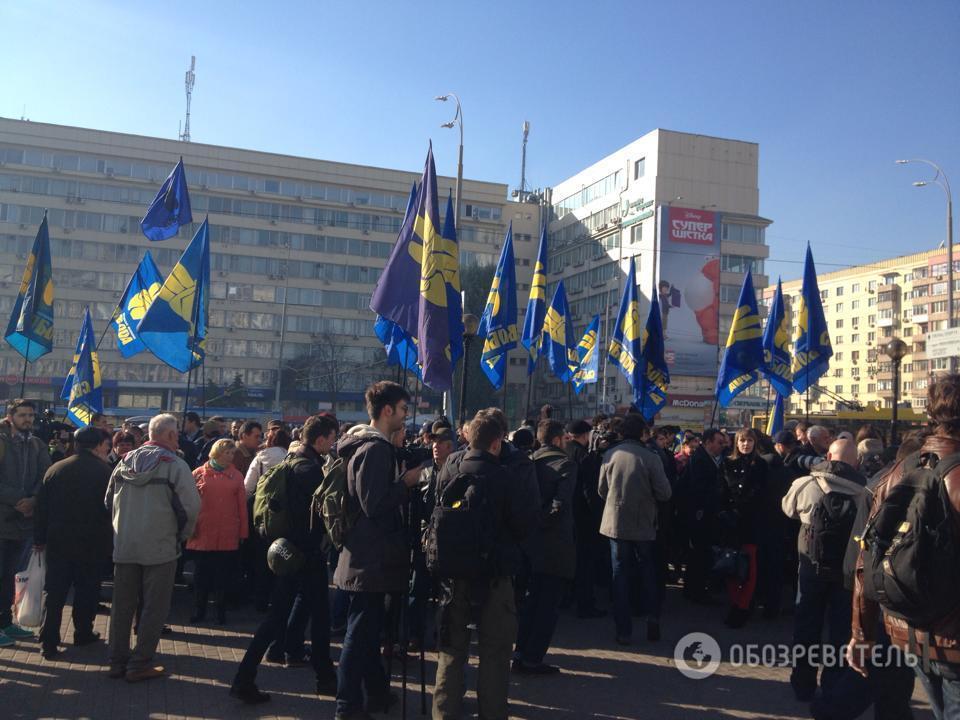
x=523 y=162
x=189 y=79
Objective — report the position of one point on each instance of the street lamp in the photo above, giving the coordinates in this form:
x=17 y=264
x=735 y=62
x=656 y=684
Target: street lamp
x=471 y=323
x=895 y=350
x=458 y=121
x=941 y=179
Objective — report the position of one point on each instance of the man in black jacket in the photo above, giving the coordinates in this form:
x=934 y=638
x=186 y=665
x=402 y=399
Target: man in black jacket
x=587 y=509
x=306 y=534
x=375 y=558
x=73 y=525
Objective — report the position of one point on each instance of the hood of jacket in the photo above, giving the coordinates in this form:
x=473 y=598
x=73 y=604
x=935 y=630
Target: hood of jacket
x=138 y=466
x=356 y=437
x=549 y=451
x=836 y=476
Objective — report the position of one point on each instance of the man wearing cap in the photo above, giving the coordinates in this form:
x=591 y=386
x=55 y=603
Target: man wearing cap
x=587 y=510
x=72 y=524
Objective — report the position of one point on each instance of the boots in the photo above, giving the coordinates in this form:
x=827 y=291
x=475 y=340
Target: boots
x=221 y=608
x=201 y=614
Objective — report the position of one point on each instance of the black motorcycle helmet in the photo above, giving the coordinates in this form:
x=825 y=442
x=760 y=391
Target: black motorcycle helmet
x=284 y=558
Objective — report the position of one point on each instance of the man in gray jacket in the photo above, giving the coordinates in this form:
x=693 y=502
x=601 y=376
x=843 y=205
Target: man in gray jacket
x=154 y=503
x=632 y=482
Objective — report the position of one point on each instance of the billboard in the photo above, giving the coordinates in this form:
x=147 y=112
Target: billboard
x=689 y=289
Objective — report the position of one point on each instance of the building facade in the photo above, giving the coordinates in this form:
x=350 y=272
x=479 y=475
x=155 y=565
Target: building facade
x=297 y=246
x=865 y=307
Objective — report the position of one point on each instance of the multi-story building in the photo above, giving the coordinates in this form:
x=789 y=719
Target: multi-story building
x=704 y=192
x=297 y=245
x=865 y=307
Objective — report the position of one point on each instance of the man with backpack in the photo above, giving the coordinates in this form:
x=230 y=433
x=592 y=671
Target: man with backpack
x=375 y=556
x=284 y=507
x=483 y=512
x=551 y=550
x=825 y=502
x=910 y=553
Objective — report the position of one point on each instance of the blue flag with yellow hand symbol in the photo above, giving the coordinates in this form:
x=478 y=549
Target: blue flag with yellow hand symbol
x=626 y=344
x=776 y=347
x=651 y=394
x=811 y=344
x=743 y=355
x=536 y=305
x=775 y=421
x=170 y=208
x=588 y=359
x=30 y=330
x=498 y=324
x=141 y=289
x=174 y=328
x=83 y=388
x=558 y=337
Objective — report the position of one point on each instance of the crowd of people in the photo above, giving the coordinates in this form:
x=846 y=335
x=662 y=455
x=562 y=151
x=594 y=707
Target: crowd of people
x=497 y=530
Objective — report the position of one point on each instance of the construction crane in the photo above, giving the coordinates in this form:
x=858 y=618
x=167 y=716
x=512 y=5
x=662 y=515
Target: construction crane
x=190 y=78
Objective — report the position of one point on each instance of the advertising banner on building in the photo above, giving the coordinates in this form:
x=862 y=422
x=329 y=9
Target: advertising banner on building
x=689 y=289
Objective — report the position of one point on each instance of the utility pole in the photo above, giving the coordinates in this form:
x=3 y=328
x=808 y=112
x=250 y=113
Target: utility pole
x=190 y=78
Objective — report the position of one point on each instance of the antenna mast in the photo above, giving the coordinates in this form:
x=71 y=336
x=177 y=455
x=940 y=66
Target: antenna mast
x=189 y=79
x=523 y=162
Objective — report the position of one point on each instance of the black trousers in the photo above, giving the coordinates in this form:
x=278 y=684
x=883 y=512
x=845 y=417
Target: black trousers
x=62 y=574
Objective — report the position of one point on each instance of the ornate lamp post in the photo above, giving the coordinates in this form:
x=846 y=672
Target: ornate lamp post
x=895 y=350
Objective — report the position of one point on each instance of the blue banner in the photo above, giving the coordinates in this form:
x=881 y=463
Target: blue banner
x=626 y=343
x=651 y=395
x=536 y=305
x=558 y=335
x=743 y=355
x=498 y=324
x=811 y=345
x=776 y=346
x=30 y=330
x=588 y=359
x=141 y=289
x=83 y=387
x=170 y=208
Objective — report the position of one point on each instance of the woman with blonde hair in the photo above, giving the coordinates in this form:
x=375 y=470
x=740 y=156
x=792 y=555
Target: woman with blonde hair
x=221 y=526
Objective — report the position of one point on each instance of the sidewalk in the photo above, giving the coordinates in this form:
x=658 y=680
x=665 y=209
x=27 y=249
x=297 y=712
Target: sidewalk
x=600 y=679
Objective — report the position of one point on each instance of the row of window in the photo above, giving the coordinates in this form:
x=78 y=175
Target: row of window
x=601 y=188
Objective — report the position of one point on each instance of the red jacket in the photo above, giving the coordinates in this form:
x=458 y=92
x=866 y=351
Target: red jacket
x=222 y=523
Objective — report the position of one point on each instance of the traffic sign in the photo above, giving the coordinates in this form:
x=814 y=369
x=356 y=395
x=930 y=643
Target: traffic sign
x=943 y=343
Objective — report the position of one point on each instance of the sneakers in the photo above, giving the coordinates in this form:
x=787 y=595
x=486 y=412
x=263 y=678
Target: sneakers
x=149 y=673
x=50 y=653
x=249 y=694
x=17 y=633
x=6 y=640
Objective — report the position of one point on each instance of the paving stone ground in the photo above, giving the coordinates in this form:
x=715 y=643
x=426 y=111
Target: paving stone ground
x=600 y=678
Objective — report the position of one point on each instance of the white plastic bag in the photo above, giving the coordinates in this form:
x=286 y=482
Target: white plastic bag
x=28 y=601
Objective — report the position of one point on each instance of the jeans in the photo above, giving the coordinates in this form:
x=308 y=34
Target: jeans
x=538 y=617
x=631 y=559
x=360 y=667
x=942 y=684
x=61 y=575
x=820 y=603
x=12 y=561
x=276 y=628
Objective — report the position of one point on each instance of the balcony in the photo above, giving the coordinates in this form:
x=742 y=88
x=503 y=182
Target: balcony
x=886 y=322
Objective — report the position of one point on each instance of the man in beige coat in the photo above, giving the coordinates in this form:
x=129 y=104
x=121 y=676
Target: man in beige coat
x=632 y=481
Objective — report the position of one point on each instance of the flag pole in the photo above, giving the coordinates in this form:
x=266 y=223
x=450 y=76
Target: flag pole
x=23 y=376
x=569 y=402
x=203 y=379
x=193 y=348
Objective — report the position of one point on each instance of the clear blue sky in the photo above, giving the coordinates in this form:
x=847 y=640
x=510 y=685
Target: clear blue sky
x=832 y=91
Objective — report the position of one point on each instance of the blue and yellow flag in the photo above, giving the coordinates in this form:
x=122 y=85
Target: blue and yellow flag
x=626 y=344
x=174 y=327
x=30 y=330
x=558 y=337
x=83 y=389
x=651 y=395
x=141 y=289
x=776 y=346
x=811 y=344
x=498 y=324
x=170 y=208
x=744 y=352
x=588 y=359
x=775 y=421
x=536 y=305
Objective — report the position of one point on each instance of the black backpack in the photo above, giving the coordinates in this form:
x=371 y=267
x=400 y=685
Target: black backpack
x=460 y=539
x=831 y=524
x=911 y=546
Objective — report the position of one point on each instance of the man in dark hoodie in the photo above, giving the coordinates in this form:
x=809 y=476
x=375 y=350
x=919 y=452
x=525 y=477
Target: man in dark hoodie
x=822 y=599
x=375 y=557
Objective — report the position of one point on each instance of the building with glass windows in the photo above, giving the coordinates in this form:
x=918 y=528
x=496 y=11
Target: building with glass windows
x=297 y=245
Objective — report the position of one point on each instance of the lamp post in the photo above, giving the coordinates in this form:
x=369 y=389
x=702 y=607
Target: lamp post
x=458 y=121
x=471 y=324
x=895 y=349
x=941 y=179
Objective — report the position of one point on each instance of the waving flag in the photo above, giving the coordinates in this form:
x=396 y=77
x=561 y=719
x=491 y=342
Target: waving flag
x=811 y=344
x=776 y=347
x=82 y=389
x=30 y=330
x=498 y=324
x=557 y=336
x=651 y=395
x=170 y=208
x=141 y=289
x=174 y=328
x=744 y=352
x=588 y=359
x=536 y=305
x=626 y=344
x=775 y=421
x=454 y=296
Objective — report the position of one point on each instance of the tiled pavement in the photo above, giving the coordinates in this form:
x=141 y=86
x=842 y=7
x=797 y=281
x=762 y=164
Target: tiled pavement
x=600 y=679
